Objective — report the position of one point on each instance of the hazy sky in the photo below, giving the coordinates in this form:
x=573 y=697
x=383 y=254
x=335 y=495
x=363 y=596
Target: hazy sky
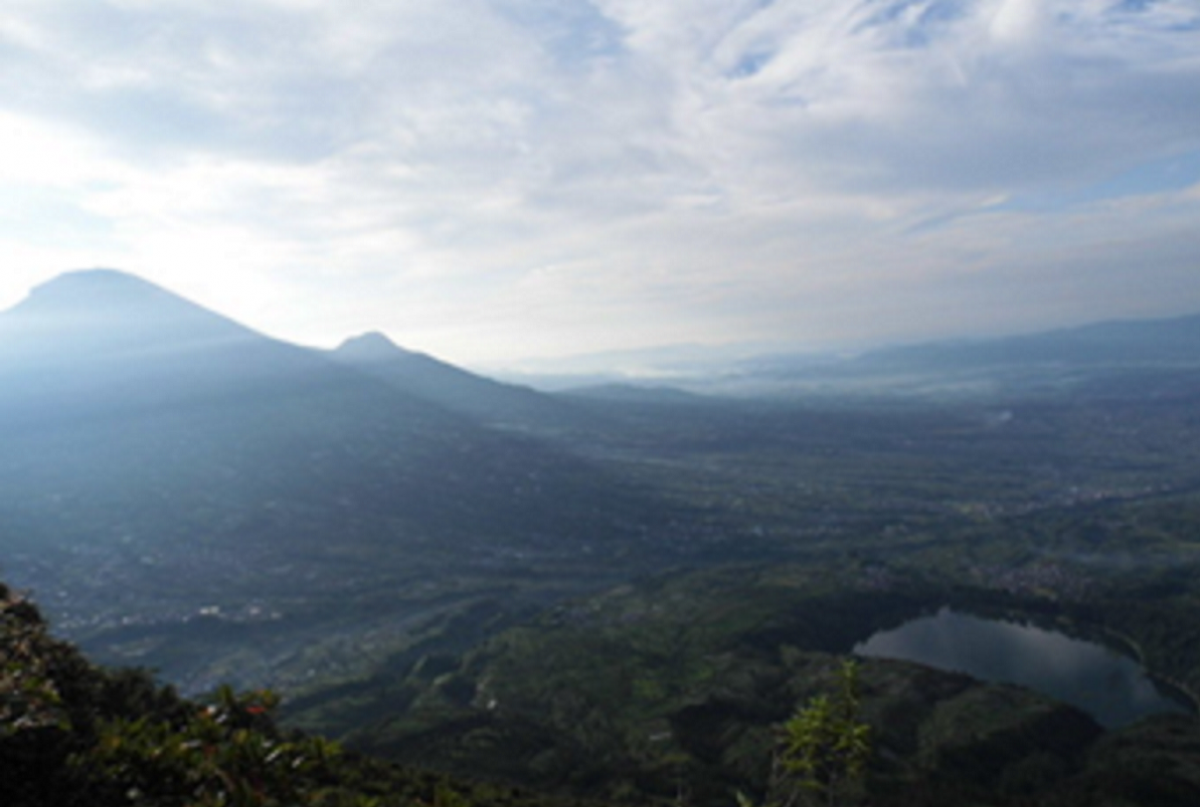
x=488 y=179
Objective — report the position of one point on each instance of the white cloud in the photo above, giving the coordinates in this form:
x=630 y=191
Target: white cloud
x=32 y=151
x=598 y=173
x=1020 y=22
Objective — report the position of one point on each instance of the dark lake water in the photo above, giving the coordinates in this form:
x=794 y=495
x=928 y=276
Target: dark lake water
x=1114 y=689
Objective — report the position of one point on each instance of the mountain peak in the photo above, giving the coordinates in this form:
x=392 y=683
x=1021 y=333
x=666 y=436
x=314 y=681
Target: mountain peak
x=97 y=311
x=98 y=285
x=98 y=274
x=371 y=346
x=91 y=290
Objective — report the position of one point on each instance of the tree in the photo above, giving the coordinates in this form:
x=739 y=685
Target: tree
x=824 y=749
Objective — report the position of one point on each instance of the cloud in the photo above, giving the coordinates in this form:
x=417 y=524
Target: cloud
x=529 y=176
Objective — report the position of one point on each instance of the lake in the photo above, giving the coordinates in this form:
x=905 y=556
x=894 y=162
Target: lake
x=1113 y=688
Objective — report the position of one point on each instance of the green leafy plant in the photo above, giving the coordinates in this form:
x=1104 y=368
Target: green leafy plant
x=228 y=753
x=825 y=748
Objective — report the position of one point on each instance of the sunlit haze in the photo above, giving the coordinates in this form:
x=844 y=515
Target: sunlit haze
x=491 y=180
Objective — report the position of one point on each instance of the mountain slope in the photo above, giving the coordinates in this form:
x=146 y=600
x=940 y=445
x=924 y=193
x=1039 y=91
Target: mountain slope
x=152 y=448
x=476 y=397
x=75 y=734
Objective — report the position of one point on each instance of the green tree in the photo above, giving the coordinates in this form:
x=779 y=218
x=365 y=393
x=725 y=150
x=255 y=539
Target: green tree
x=825 y=748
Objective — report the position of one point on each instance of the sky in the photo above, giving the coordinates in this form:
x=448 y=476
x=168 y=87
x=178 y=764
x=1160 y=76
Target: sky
x=496 y=180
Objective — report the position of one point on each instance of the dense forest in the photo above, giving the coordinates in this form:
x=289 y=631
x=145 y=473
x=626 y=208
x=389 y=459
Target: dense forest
x=604 y=720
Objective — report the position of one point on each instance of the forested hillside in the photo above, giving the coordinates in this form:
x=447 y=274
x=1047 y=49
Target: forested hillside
x=75 y=735
x=680 y=685
x=681 y=717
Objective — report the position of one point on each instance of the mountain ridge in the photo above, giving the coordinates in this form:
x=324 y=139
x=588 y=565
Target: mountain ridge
x=489 y=401
x=230 y=462
x=1046 y=359
x=96 y=311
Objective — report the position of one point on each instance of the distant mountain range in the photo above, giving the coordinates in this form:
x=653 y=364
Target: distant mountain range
x=1019 y=364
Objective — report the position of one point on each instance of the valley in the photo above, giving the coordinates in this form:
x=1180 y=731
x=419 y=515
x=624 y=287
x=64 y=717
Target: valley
x=609 y=593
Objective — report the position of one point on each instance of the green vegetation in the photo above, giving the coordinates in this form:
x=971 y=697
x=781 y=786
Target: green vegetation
x=825 y=748
x=74 y=735
x=679 y=687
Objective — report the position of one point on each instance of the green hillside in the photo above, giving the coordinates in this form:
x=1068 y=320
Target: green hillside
x=679 y=685
x=75 y=735
x=637 y=697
